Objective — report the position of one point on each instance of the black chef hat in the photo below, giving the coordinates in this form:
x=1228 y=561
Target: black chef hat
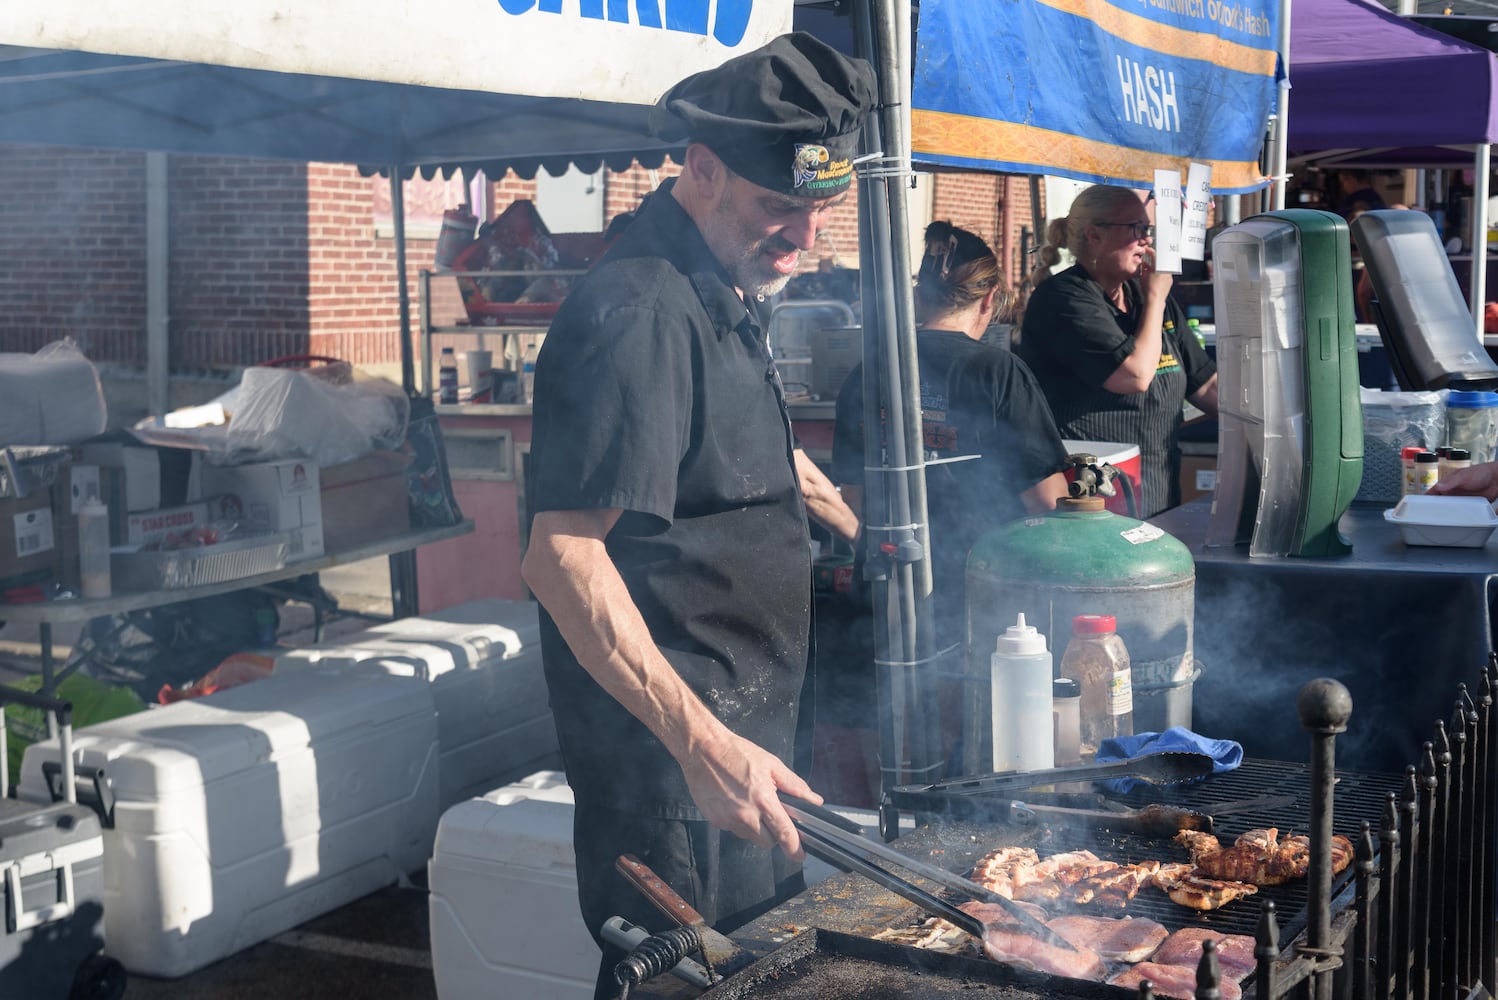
x=786 y=116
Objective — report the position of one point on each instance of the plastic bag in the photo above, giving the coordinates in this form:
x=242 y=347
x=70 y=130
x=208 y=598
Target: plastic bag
x=1393 y=421
x=51 y=397
x=237 y=669
x=92 y=700
x=332 y=414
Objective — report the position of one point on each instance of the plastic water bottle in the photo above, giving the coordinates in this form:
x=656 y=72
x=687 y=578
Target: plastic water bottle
x=528 y=373
x=93 y=546
x=1020 y=682
x=447 y=377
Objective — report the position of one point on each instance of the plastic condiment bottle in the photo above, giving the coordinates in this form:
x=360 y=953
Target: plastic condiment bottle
x=1066 y=718
x=447 y=377
x=93 y=547
x=528 y=373
x=1020 y=682
x=1427 y=470
x=1096 y=659
x=1407 y=467
x=1455 y=458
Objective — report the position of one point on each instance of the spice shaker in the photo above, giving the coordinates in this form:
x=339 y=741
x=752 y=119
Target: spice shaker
x=1096 y=659
x=1066 y=718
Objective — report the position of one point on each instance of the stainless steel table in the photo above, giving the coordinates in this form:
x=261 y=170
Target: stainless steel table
x=1400 y=626
x=45 y=614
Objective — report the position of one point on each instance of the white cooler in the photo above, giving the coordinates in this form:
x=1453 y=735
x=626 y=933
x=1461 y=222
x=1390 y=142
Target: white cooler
x=504 y=913
x=483 y=660
x=243 y=814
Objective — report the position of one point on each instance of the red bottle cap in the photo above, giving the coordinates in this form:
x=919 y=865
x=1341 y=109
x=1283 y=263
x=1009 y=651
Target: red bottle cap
x=1093 y=624
x=1409 y=453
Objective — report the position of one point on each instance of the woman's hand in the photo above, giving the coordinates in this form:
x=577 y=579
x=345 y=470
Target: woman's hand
x=1476 y=480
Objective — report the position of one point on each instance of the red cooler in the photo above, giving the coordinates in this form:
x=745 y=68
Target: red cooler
x=1123 y=457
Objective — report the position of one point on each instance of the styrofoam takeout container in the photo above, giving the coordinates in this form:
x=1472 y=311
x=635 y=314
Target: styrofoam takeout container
x=1464 y=522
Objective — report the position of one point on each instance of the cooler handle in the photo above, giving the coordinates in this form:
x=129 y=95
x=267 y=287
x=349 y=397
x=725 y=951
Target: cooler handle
x=17 y=919
x=63 y=710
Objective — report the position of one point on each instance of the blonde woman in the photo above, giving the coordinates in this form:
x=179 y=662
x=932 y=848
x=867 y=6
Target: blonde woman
x=1109 y=346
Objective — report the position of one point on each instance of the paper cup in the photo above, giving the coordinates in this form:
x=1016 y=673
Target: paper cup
x=479 y=363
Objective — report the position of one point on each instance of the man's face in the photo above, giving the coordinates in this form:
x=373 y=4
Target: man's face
x=758 y=234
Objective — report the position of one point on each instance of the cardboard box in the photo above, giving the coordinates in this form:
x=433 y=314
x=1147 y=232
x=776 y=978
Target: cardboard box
x=1198 y=476
x=131 y=476
x=269 y=497
x=365 y=500
x=29 y=551
x=154 y=525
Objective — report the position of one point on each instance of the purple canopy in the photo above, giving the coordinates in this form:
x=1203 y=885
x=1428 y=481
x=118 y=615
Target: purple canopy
x=1363 y=77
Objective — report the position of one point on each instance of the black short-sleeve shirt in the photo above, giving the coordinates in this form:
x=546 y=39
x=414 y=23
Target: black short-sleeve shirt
x=988 y=437
x=655 y=394
x=1073 y=339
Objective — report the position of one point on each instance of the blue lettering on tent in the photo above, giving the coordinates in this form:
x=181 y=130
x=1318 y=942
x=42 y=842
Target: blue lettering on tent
x=688 y=16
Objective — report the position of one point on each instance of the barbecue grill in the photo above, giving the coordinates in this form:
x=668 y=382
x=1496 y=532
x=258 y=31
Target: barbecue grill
x=1411 y=917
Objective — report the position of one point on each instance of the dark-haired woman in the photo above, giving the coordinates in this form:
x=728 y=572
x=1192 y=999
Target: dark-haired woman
x=1109 y=346
x=992 y=451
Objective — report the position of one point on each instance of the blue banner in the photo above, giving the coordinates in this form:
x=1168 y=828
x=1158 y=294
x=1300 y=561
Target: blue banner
x=1096 y=91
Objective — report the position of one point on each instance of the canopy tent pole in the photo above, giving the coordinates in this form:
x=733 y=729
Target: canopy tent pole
x=898 y=560
x=1477 y=292
x=1278 y=165
x=158 y=287
x=404 y=602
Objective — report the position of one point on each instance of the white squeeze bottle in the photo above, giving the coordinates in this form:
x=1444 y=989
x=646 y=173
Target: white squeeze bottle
x=93 y=546
x=1020 y=681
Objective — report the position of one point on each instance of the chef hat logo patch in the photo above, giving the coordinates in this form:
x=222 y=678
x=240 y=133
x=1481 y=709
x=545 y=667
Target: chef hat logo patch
x=810 y=159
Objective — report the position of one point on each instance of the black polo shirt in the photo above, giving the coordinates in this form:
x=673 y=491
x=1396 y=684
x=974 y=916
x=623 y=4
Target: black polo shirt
x=1073 y=339
x=988 y=437
x=655 y=394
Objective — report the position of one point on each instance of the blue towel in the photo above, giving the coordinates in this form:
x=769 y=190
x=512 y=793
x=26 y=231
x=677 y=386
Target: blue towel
x=1226 y=754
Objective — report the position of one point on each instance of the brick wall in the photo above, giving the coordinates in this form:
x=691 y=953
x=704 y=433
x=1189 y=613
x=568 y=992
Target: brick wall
x=271 y=258
x=238 y=246
x=72 y=241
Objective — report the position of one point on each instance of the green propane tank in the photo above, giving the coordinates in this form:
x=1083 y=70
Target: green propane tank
x=1083 y=559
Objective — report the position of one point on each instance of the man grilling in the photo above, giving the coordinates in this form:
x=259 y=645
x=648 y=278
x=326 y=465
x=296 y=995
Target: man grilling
x=668 y=545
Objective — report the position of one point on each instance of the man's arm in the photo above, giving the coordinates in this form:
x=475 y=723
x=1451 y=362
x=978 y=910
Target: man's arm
x=823 y=501
x=733 y=781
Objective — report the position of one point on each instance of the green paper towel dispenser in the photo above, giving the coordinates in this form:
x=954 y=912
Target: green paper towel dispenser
x=1290 y=423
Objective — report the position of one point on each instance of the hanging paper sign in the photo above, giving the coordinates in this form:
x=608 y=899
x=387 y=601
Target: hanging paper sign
x=1168 y=221
x=1198 y=201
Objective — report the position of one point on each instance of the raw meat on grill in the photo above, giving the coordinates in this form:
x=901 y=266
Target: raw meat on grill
x=1177 y=981
x=1235 y=952
x=1116 y=939
x=1005 y=941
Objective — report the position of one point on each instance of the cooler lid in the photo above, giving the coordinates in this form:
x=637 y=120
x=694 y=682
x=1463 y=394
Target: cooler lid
x=527 y=824
x=193 y=743
x=462 y=637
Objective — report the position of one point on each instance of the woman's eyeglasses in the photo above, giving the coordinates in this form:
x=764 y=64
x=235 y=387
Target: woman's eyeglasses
x=1141 y=230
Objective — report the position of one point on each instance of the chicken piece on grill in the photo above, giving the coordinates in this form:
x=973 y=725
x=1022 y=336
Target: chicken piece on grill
x=932 y=934
x=1062 y=882
x=1116 y=887
x=1116 y=939
x=1197 y=843
x=1038 y=880
x=1266 y=839
x=1197 y=892
x=1243 y=863
x=995 y=870
x=1235 y=952
x=1177 y=981
x=1005 y=941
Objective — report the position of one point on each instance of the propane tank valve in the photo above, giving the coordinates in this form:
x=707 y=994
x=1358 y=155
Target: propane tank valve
x=1091 y=476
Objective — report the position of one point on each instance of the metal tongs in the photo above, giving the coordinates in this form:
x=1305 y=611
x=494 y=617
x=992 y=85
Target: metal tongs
x=842 y=843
